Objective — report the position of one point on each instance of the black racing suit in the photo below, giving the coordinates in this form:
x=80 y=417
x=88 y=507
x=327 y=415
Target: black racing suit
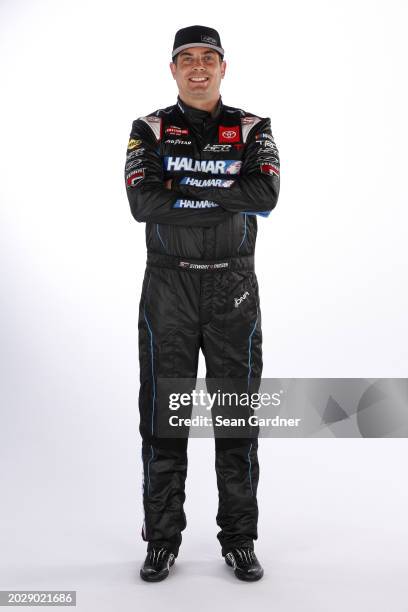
x=200 y=237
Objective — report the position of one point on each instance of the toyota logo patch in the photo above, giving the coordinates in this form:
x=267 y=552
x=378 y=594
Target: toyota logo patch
x=228 y=133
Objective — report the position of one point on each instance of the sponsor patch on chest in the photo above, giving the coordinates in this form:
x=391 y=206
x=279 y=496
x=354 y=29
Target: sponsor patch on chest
x=229 y=133
x=177 y=141
x=220 y=148
x=175 y=130
x=212 y=166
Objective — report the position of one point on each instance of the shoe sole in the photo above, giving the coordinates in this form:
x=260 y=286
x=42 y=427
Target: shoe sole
x=246 y=577
x=154 y=577
x=242 y=576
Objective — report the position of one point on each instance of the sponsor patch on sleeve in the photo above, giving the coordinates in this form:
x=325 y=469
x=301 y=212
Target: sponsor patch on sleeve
x=194 y=204
x=269 y=169
x=133 y=144
x=135 y=153
x=213 y=182
x=135 y=177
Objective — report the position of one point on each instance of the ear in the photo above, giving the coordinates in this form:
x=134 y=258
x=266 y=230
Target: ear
x=223 y=68
x=173 y=69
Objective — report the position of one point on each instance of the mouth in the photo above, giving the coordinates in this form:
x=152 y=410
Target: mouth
x=201 y=79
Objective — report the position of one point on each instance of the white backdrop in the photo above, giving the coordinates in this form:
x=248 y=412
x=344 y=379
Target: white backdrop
x=331 y=263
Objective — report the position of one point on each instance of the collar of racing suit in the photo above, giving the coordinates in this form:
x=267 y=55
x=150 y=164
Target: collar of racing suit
x=196 y=116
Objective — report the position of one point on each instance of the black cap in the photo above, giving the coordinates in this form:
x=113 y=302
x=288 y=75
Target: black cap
x=197 y=36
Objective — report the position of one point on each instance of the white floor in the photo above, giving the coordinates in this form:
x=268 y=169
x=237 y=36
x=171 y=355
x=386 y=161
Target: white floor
x=333 y=534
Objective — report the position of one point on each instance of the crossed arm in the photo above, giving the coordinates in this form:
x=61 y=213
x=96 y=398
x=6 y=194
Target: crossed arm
x=151 y=198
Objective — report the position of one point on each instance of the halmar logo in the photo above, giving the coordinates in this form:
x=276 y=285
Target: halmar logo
x=212 y=166
x=241 y=299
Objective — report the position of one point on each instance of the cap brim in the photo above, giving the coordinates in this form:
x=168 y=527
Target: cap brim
x=188 y=46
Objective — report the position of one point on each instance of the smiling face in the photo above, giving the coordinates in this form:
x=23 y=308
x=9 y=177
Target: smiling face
x=198 y=72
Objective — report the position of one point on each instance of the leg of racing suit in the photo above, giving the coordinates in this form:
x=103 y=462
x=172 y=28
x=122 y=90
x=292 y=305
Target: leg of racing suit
x=232 y=344
x=168 y=348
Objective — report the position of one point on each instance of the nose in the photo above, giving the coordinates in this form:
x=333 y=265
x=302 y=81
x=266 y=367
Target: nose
x=198 y=65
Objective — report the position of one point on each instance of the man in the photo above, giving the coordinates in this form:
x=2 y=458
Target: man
x=198 y=173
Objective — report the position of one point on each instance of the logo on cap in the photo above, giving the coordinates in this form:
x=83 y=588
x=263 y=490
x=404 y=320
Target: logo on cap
x=209 y=40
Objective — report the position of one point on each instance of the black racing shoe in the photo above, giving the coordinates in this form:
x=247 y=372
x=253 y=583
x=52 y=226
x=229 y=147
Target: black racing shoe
x=246 y=565
x=157 y=564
